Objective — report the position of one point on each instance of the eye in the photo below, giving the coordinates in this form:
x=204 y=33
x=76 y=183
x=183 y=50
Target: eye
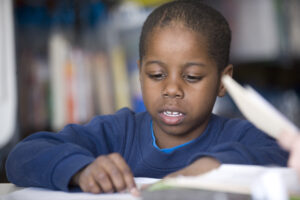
x=157 y=77
x=191 y=78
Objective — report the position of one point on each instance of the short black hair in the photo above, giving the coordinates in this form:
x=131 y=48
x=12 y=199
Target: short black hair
x=197 y=16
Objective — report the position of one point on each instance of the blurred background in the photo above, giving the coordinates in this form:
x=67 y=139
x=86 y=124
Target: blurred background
x=65 y=61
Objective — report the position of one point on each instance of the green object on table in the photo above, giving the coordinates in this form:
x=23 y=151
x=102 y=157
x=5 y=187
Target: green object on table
x=160 y=185
x=295 y=198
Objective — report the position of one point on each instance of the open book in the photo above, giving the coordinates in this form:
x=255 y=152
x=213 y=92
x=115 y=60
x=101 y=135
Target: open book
x=242 y=179
x=257 y=110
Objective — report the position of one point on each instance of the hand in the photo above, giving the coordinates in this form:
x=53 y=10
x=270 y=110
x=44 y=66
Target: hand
x=291 y=142
x=107 y=174
x=200 y=166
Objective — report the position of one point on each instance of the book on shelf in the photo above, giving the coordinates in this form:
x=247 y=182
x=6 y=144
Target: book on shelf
x=120 y=78
x=58 y=54
x=71 y=83
x=102 y=80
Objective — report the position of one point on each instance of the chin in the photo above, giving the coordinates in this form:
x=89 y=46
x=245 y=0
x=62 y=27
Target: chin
x=175 y=130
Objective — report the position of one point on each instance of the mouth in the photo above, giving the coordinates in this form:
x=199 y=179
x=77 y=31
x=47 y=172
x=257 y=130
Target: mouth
x=171 y=117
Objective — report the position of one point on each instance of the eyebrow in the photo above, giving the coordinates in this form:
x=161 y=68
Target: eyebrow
x=194 y=64
x=186 y=65
x=154 y=62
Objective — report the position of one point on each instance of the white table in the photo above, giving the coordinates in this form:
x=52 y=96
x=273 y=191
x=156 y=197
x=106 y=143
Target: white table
x=6 y=188
x=9 y=191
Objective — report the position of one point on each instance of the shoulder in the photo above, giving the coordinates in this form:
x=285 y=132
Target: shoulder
x=125 y=114
x=120 y=118
x=232 y=123
x=237 y=128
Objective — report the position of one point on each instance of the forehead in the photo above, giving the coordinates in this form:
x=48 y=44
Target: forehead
x=178 y=32
x=176 y=40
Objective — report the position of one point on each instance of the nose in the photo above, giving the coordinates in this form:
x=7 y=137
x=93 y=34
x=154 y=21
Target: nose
x=172 y=89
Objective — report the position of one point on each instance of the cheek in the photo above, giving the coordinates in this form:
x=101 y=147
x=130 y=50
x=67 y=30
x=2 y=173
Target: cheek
x=150 y=91
x=203 y=95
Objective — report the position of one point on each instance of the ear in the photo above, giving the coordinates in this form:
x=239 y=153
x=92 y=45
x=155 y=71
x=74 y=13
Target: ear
x=139 y=64
x=228 y=70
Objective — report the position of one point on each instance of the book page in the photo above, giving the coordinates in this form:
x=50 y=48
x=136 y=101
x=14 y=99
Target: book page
x=236 y=179
x=32 y=193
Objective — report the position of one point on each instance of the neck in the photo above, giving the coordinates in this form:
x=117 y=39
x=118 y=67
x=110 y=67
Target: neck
x=169 y=140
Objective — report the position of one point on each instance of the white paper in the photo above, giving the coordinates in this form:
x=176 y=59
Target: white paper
x=236 y=179
x=45 y=194
x=257 y=110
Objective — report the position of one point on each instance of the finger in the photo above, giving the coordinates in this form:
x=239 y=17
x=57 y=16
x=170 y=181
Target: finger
x=174 y=174
x=126 y=172
x=87 y=183
x=102 y=179
x=135 y=192
x=124 y=169
x=93 y=187
x=101 y=176
x=114 y=174
x=83 y=179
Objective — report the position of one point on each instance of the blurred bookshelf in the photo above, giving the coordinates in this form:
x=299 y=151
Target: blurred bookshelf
x=77 y=58
x=265 y=52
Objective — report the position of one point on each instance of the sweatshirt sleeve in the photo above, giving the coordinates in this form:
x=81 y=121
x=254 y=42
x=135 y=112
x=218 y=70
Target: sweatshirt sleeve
x=246 y=145
x=50 y=160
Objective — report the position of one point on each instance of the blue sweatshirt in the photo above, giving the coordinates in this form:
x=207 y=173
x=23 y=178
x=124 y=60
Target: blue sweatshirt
x=50 y=160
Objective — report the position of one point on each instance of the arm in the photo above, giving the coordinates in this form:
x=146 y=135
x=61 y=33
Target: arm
x=250 y=146
x=200 y=166
x=44 y=160
x=246 y=145
x=50 y=160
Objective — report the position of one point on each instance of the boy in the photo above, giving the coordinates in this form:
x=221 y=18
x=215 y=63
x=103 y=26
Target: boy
x=184 y=51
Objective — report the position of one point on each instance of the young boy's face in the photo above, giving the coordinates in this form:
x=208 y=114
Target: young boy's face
x=179 y=82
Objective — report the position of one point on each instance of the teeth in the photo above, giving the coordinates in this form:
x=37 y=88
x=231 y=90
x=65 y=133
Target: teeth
x=172 y=114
